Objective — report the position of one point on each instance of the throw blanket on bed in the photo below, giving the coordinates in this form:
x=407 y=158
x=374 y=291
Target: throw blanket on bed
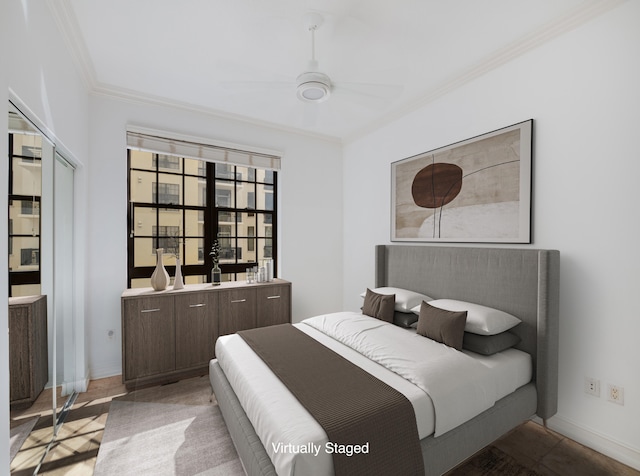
x=371 y=426
x=459 y=386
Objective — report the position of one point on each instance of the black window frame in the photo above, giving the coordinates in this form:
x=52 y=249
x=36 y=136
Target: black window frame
x=17 y=277
x=229 y=174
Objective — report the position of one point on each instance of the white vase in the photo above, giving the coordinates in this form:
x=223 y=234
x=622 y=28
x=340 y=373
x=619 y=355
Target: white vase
x=178 y=283
x=160 y=277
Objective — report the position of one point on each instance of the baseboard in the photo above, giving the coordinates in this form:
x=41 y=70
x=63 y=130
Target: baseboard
x=107 y=370
x=79 y=385
x=597 y=441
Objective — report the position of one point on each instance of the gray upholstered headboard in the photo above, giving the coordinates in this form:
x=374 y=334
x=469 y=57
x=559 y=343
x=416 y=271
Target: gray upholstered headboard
x=523 y=282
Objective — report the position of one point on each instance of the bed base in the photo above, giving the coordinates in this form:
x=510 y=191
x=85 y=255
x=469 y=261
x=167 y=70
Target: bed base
x=253 y=456
x=439 y=454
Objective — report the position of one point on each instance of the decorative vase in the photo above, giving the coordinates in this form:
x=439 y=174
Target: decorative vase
x=160 y=277
x=178 y=283
x=216 y=275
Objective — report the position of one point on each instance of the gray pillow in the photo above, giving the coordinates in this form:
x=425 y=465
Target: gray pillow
x=404 y=319
x=380 y=306
x=489 y=345
x=441 y=325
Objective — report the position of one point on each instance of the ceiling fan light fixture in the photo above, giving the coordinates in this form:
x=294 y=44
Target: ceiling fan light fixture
x=313 y=87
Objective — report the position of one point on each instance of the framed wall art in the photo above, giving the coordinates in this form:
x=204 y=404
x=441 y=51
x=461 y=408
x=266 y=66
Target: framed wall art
x=477 y=190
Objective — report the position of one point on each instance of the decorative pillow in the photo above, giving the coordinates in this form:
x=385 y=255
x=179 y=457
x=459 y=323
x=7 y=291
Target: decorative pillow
x=480 y=319
x=489 y=345
x=404 y=319
x=442 y=326
x=380 y=306
x=405 y=299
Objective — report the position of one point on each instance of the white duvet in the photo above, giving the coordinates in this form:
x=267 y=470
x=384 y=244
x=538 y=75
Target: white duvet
x=459 y=386
x=446 y=387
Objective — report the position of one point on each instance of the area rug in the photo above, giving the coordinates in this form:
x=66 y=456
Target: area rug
x=19 y=434
x=160 y=438
x=176 y=430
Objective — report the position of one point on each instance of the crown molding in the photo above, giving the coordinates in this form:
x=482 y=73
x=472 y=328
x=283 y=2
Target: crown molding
x=572 y=19
x=135 y=97
x=68 y=26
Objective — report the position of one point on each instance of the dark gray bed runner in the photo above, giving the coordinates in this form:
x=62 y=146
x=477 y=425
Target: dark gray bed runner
x=356 y=410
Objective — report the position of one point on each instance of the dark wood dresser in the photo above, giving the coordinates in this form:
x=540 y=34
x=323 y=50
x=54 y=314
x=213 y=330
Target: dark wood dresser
x=28 y=349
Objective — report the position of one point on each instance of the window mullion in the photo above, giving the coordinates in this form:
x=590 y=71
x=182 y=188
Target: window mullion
x=226 y=195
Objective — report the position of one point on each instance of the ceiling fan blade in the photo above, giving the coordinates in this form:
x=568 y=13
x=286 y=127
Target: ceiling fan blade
x=256 y=86
x=369 y=95
x=383 y=91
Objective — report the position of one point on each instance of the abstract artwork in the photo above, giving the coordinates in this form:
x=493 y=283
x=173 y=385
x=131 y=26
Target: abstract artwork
x=477 y=190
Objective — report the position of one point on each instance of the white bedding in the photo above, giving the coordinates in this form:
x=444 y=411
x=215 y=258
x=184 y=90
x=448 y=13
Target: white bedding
x=399 y=359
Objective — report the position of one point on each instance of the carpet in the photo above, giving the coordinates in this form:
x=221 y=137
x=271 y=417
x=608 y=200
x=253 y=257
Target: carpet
x=147 y=432
x=19 y=434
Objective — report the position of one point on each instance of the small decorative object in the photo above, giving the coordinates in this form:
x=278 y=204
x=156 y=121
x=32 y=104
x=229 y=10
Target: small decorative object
x=178 y=282
x=216 y=273
x=269 y=266
x=160 y=277
x=173 y=249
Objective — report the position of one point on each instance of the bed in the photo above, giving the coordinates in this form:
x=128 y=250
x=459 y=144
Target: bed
x=522 y=282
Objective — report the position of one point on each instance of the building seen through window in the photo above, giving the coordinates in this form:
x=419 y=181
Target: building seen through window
x=25 y=192
x=182 y=205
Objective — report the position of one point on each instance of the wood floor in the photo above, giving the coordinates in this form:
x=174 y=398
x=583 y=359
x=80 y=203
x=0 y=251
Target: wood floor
x=528 y=450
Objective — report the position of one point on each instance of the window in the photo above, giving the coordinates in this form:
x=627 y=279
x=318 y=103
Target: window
x=166 y=161
x=167 y=238
x=25 y=190
x=166 y=193
x=183 y=204
x=29 y=257
x=167 y=207
x=245 y=217
x=29 y=207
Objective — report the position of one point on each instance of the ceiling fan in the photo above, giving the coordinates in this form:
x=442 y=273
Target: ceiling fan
x=313 y=86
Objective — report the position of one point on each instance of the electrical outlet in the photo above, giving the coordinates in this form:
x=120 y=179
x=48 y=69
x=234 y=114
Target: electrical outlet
x=616 y=394
x=592 y=386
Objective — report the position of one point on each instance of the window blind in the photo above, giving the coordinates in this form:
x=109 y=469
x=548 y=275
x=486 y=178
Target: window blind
x=195 y=148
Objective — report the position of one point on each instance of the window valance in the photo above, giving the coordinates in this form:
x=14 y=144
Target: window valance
x=195 y=148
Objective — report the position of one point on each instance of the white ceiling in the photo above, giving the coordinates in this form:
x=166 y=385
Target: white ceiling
x=241 y=57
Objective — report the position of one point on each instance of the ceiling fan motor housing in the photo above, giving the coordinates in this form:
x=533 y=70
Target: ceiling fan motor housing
x=313 y=86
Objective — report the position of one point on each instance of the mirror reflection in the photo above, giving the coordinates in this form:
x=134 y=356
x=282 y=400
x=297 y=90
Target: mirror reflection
x=41 y=321
x=25 y=193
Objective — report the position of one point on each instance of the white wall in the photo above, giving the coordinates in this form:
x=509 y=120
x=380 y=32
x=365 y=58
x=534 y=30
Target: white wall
x=41 y=74
x=310 y=213
x=582 y=90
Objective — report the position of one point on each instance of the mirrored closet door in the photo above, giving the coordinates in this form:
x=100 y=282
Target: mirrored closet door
x=42 y=330
x=63 y=255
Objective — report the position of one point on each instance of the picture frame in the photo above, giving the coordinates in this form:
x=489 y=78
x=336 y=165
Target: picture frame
x=474 y=191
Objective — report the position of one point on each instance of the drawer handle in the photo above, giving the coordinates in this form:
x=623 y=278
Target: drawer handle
x=239 y=300
x=273 y=297
x=149 y=310
x=197 y=305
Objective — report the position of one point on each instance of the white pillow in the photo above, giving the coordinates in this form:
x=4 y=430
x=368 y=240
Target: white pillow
x=405 y=299
x=480 y=319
